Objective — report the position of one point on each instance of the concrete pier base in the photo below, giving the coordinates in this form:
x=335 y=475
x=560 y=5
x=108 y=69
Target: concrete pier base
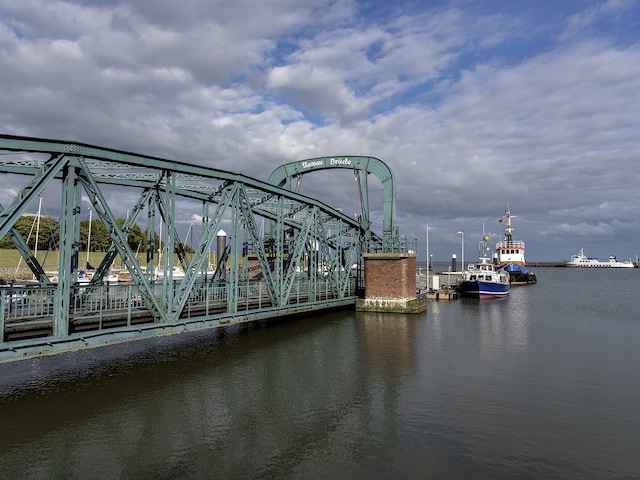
x=415 y=305
x=390 y=284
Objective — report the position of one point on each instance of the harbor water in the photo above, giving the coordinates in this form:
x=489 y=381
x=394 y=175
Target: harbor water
x=542 y=384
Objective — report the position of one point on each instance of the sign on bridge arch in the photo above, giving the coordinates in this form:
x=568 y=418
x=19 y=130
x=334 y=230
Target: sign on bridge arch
x=284 y=174
x=332 y=162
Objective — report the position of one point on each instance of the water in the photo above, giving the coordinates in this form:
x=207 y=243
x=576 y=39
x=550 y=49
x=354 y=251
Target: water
x=543 y=384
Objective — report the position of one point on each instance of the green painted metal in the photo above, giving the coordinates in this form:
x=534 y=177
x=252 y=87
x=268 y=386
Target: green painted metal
x=119 y=240
x=284 y=175
x=110 y=256
x=41 y=177
x=68 y=253
x=25 y=251
x=65 y=315
x=46 y=346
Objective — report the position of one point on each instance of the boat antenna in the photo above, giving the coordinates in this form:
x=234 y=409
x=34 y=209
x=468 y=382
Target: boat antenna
x=509 y=229
x=484 y=243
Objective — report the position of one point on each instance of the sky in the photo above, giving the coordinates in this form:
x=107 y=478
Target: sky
x=476 y=106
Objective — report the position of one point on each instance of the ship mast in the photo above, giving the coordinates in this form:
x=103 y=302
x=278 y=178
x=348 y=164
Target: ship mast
x=509 y=229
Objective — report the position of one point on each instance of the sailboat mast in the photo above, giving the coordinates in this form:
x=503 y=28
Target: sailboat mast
x=89 y=237
x=38 y=226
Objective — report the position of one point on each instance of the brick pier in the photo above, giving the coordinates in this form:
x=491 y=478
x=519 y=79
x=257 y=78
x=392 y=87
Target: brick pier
x=390 y=284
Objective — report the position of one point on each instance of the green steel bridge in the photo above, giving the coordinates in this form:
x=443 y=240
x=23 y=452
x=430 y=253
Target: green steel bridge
x=283 y=254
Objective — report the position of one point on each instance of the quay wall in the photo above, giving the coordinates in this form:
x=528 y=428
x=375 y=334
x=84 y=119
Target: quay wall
x=9 y=274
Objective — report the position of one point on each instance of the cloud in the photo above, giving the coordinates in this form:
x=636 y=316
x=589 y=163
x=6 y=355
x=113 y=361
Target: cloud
x=473 y=106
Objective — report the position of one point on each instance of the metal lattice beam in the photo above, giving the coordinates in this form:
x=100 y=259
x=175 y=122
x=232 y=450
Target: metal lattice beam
x=69 y=315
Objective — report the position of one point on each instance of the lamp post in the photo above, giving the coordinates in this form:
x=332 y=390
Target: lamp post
x=462 y=257
x=427 y=258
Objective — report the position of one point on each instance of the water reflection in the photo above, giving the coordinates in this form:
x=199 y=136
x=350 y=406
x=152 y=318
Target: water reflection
x=502 y=323
x=390 y=341
x=241 y=406
x=520 y=388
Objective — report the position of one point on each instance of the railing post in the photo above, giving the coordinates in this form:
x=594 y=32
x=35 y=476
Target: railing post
x=130 y=298
x=102 y=287
x=3 y=301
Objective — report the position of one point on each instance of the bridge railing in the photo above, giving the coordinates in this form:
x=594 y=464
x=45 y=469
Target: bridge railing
x=28 y=312
x=408 y=244
x=25 y=303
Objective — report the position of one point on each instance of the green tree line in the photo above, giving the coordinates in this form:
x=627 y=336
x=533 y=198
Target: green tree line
x=47 y=231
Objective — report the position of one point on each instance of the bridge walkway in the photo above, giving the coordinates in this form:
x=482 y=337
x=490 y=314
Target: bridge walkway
x=27 y=313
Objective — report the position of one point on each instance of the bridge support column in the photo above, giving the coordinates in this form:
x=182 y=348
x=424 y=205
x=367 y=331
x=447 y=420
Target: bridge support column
x=390 y=284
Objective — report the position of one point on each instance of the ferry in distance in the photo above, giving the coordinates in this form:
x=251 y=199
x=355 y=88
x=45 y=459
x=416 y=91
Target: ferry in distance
x=581 y=260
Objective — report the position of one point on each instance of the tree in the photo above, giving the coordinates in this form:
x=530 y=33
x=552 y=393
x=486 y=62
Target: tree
x=100 y=240
x=47 y=230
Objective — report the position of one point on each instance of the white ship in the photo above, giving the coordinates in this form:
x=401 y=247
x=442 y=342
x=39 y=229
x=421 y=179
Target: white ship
x=509 y=256
x=581 y=260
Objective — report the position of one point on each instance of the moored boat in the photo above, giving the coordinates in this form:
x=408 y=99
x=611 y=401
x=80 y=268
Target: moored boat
x=483 y=280
x=177 y=273
x=581 y=260
x=509 y=256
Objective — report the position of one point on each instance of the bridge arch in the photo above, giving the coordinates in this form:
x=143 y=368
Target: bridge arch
x=284 y=175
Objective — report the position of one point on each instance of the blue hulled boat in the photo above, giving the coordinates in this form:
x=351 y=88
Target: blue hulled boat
x=483 y=280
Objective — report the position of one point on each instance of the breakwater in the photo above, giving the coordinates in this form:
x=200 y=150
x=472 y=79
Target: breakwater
x=545 y=264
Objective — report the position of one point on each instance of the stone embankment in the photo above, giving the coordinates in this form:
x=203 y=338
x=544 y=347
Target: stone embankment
x=10 y=274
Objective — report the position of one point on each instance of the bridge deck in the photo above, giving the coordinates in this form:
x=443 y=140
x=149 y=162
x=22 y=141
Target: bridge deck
x=111 y=312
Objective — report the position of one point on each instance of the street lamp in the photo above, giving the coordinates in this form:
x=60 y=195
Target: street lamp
x=462 y=257
x=427 y=258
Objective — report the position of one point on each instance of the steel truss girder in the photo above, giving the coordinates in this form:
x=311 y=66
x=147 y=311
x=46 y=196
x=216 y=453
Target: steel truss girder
x=300 y=242
x=110 y=255
x=328 y=264
x=202 y=252
x=120 y=242
x=172 y=233
x=27 y=255
x=32 y=190
x=137 y=162
x=248 y=220
x=68 y=254
x=300 y=223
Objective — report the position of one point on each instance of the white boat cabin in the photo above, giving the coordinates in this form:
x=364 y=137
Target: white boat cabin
x=510 y=252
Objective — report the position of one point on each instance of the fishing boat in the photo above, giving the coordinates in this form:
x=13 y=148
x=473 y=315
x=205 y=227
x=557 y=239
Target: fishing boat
x=581 y=260
x=509 y=256
x=483 y=280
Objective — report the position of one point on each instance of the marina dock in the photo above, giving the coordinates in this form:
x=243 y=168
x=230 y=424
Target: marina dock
x=442 y=286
